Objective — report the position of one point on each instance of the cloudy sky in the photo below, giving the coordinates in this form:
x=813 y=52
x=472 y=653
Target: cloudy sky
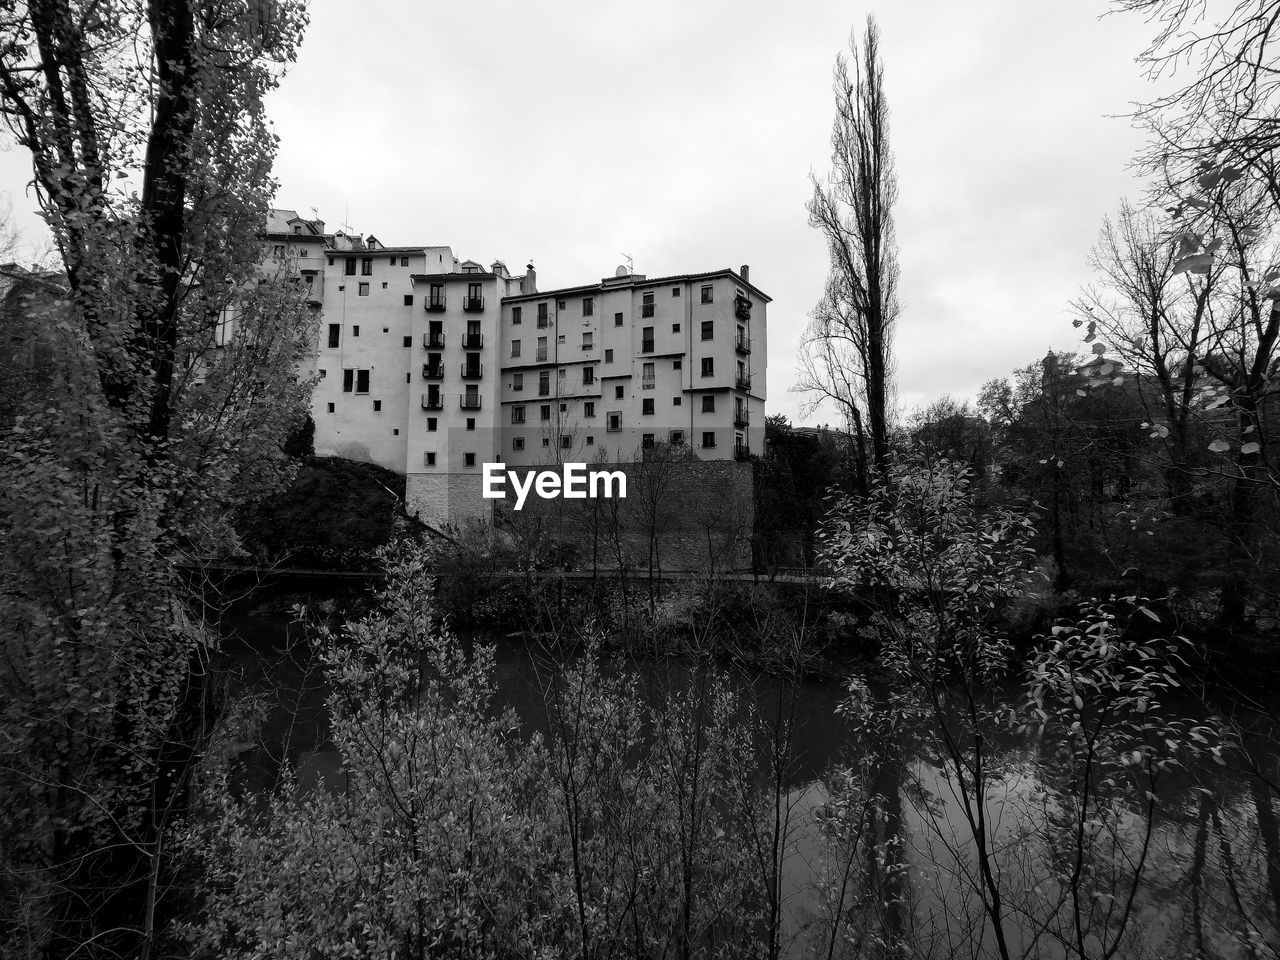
x=683 y=133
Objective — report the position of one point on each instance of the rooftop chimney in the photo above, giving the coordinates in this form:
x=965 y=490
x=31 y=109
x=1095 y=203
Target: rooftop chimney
x=529 y=282
x=745 y=273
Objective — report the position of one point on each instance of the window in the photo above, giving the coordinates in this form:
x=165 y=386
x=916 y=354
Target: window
x=677 y=364
x=517 y=443
x=377 y=406
x=546 y=441
x=709 y=438
x=515 y=348
x=517 y=413
x=407 y=341
x=588 y=307
x=614 y=422
x=471 y=423
x=331 y=408
x=386 y=329
x=589 y=409
x=408 y=378
x=646 y=340
x=608 y=356
x=364 y=290
x=675 y=291
x=468 y=459
x=544 y=383
x=617 y=319
x=362 y=381
x=566 y=441
x=564 y=407
x=675 y=401
x=278 y=251
x=561 y=373
x=617 y=392
x=708 y=329
x=588 y=340
x=559 y=304
x=708 y=366
x=560 y=339
x=646 y=441
x=404 y=261
x=542 y=314
x=366 y=266
x=544 y=412
x=591 y=441
x=675 y=328
x=437 y=296
x=395 y=431
x=350 y=268
x=706 y=298
x=708 y=403
x=429 y=458
x=646 y=376
x=646 y=305
x=676 y=438
x=348 y=380
x=323 y=373
x=384 y=284
x=646 y=407
x=515 y=316
x=473 y=292
x=588 y=376
x=335 y=334
x=408 y=299
x=331 y=261
x=541 y=355
x=431 y=424
x=355 y=330
x=517 y=382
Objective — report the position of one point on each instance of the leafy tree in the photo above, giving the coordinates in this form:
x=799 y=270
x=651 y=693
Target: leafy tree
x=846 y=354
x=151 y=157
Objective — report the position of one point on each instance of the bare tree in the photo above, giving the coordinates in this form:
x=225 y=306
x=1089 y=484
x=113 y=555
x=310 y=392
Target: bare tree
x=846 y=353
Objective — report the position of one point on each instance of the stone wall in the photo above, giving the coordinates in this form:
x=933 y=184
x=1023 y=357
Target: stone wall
x=441 y=499
x=686 y=514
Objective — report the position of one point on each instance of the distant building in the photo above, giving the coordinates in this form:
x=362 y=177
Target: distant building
x=432 y=366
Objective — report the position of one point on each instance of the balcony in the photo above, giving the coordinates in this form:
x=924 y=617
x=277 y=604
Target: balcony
x=432 y=373
x=432 y=403
x=741 y=451
x=433 y=341
x=741 y=418
x=473 y=304
x=472 y=371
x=543 y=323
x=742 y=308
x=472 y=341
x=544 y=389
x=434 y=305
x=646 y=346
x=744 y=382
x=469 y=401
x=646 y=383
x=742 y=345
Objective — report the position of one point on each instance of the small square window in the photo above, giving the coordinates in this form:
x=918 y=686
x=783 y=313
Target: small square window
x=675 y=401
x=395 y=431
x=364 y=290
x=564 y=407
x=566 y=441
x=546 y=441
x=708 y=403
x=676 y=438
x=517 y=443
x=709 y=438
x=559 y=304
x=471 y=423
x=404 y=261
x=617 y=392
x=431 y=424
x=386 y=329
x=331 y=408
x=384 y=284
x=408 y=299
x=355 y=330
x=677 y=364
x=675 y=291
x=675 y=328
x=591 y=441
x=323 y=373
x=407 y=341
x=468 y=459
x=429 y=458
x=560 y=339
x=377 y=406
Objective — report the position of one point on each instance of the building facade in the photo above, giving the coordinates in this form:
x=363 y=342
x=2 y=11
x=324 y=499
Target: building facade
x=432 y=367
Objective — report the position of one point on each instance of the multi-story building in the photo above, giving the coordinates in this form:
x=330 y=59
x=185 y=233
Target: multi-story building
x=432 y=367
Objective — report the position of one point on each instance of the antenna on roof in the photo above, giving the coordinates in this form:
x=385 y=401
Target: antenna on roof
x=631 y=264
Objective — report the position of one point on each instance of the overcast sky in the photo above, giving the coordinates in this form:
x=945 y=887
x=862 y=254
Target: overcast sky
x=683 y=133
